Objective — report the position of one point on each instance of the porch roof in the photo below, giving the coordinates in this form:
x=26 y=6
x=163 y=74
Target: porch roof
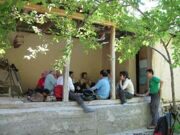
x=61 y=12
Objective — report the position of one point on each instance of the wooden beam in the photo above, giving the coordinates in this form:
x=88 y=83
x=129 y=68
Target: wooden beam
x=113 y=62
x=61 y=12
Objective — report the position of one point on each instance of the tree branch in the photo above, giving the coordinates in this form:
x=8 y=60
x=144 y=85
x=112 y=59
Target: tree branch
x=160 y=53
x=165 y=44
x=168 y=42
x=138 y=10
x=162 y=41
x=92 y=12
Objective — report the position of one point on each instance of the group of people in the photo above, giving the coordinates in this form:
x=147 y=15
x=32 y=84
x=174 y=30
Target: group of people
x=52 y=83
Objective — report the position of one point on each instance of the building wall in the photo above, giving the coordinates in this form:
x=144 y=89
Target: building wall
x=162 y=70
x=30 y=70
x=91 y=63
x=129 y=65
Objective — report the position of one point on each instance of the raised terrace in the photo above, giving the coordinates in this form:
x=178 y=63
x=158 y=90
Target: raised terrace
x=61 y=118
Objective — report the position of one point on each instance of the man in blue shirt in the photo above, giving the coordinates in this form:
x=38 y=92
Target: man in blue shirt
x=102 y=87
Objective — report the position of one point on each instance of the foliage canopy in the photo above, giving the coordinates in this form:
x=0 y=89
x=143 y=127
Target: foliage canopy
x=162 y=23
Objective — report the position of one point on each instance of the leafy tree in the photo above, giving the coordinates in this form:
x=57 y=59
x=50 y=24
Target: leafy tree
x=159 y=24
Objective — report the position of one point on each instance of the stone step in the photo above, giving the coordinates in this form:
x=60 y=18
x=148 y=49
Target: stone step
x=142 y=131
x=9 y=103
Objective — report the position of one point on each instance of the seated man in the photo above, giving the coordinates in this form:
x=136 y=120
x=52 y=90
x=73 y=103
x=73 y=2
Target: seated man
x=72 y=95
x=49 y=84
x=102 y=87
x=125 y=88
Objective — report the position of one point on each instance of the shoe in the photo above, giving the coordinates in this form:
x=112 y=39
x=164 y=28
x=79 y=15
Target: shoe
x=88 y=110
x=124 y=102
x=151 y=127
x=29 y=98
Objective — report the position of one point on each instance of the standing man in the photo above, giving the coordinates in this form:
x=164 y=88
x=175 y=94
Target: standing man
x=155 y=85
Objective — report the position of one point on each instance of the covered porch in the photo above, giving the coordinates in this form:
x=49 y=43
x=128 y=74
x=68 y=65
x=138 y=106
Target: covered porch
x=103 y=58
x=81 y=61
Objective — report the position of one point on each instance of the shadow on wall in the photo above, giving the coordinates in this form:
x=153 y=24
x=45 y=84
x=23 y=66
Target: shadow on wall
x=30 y=70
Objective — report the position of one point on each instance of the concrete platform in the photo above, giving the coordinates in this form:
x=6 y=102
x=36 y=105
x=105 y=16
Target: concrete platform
x=59 y=118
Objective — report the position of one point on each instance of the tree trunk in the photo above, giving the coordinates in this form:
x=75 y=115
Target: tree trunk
x=172 y=77
x=169 y=61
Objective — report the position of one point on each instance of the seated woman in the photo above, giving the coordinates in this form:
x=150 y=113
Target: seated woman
x=125 y=87
x=85 y=83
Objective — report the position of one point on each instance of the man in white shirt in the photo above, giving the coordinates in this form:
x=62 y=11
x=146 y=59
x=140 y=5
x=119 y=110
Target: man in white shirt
x=72 y=95
x=70 y=83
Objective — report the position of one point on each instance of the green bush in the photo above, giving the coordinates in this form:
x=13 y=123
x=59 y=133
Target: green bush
x=177 y=127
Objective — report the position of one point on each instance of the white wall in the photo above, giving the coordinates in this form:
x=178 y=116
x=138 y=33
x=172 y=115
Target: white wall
x=161 y=69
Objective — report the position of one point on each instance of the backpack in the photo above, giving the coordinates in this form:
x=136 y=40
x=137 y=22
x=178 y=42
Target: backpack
x=88 y=95
x=164 y=125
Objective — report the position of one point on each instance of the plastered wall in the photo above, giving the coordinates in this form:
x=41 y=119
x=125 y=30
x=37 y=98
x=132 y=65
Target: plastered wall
x=162 y=70
x=91 y=63
x=30 y=70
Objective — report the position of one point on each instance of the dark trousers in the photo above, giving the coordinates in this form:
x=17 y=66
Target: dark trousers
x=123 y=95
x=154 y=108
x=76 y=97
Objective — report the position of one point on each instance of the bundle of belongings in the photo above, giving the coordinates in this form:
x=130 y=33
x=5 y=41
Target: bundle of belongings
x=9 y=79
x=40 y=93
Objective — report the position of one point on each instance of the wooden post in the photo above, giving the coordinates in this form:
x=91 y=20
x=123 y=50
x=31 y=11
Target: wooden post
x=113 y=62
x=65 y=81
x=66 y=70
